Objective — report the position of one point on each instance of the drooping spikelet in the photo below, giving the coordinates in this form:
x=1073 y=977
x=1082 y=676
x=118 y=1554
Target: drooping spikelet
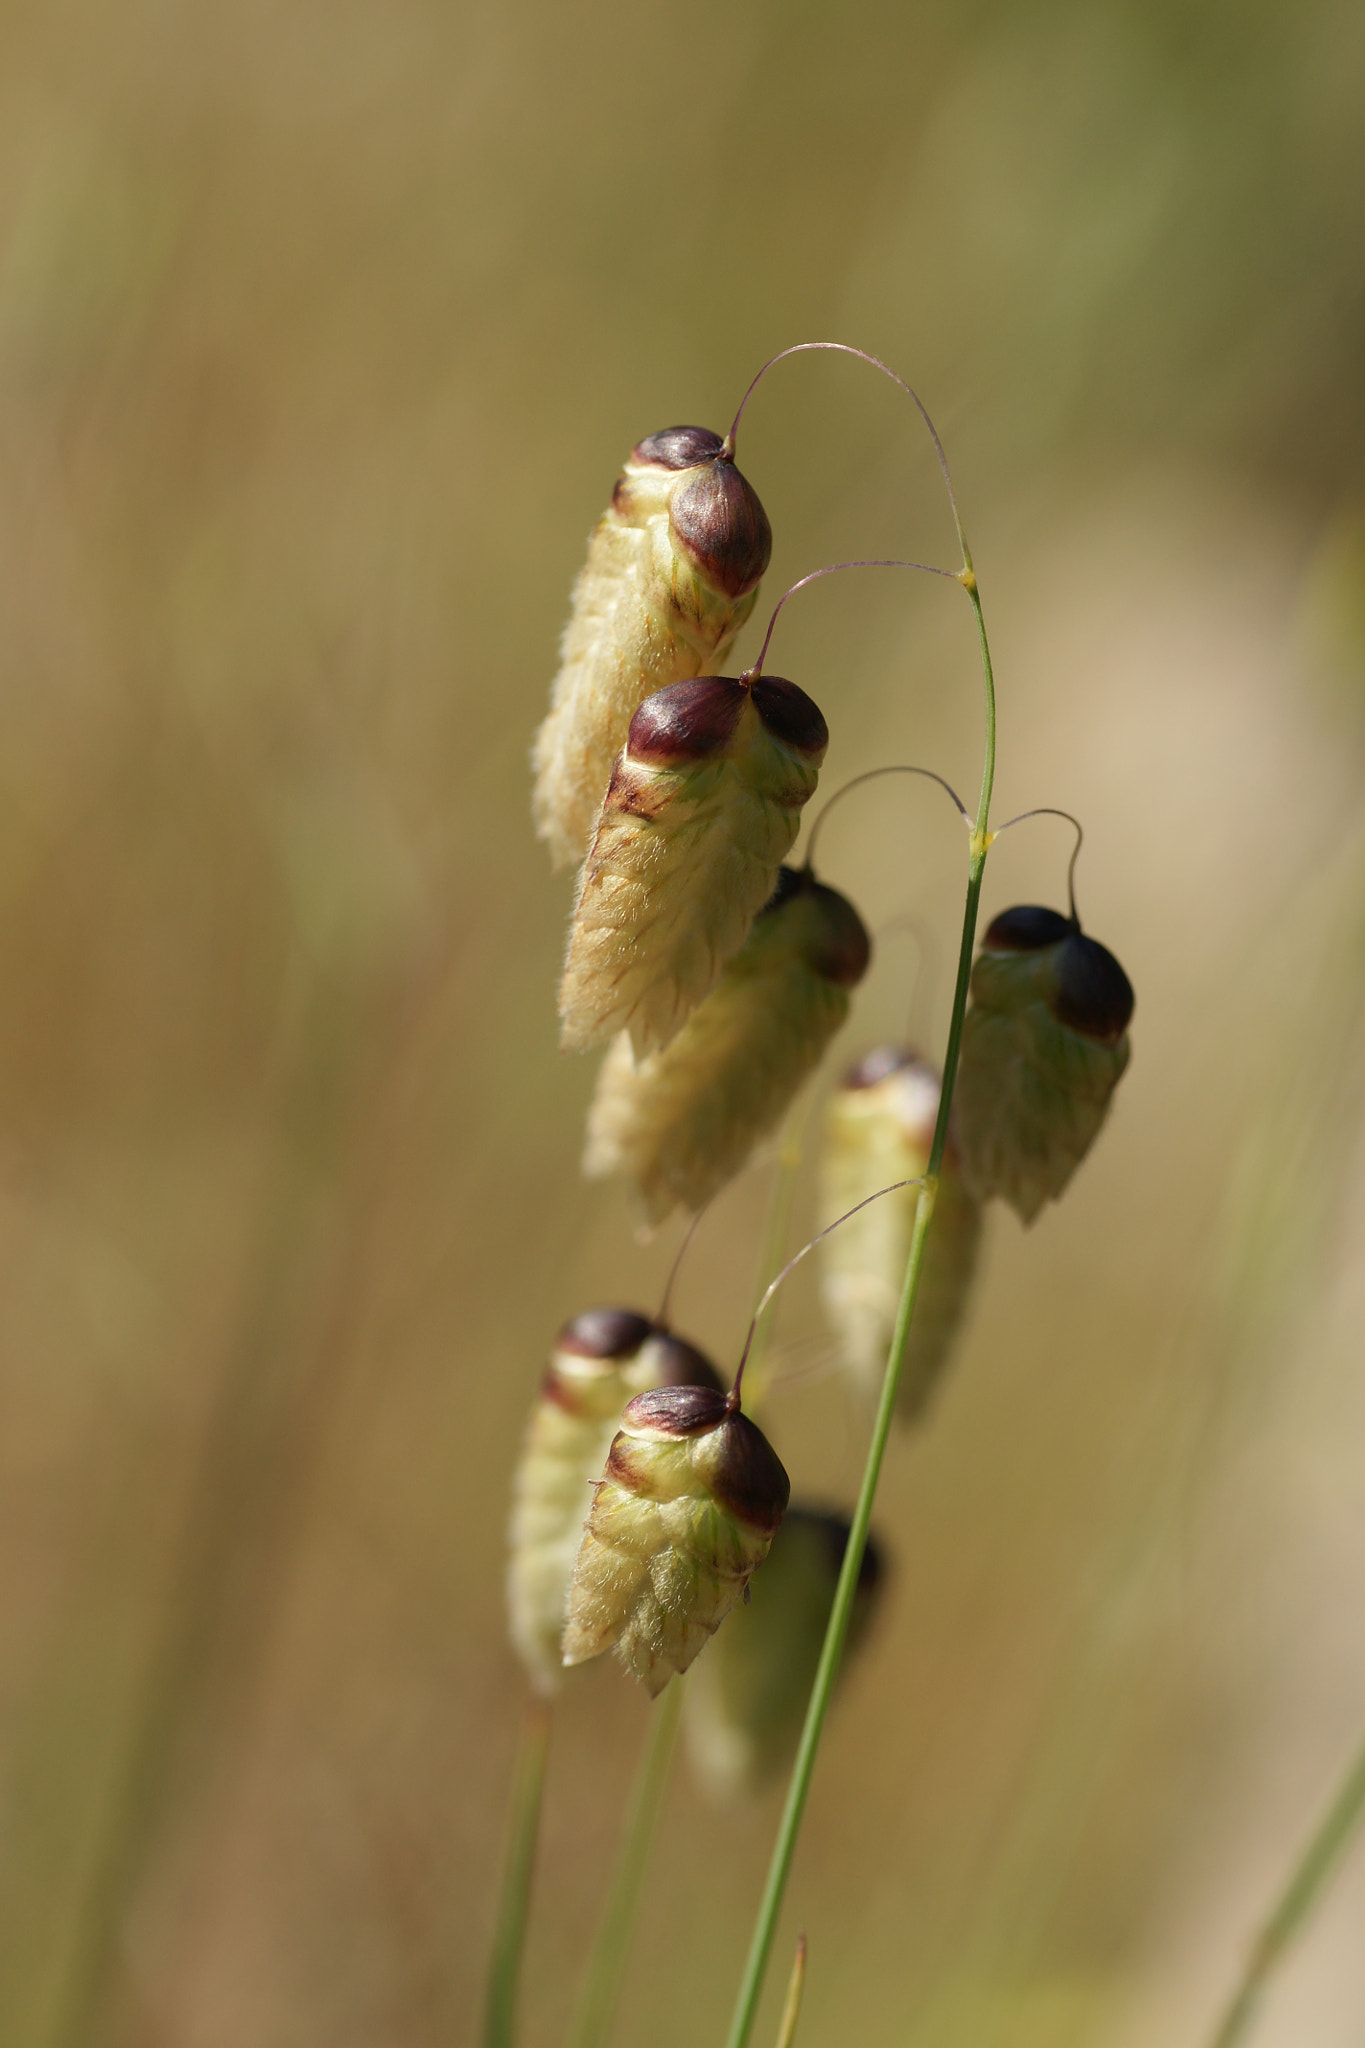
x=747 y=1700
x=690 y=1500
x=681 y=1122
x=702 y=808
x=879 y=1128
x=600 y=1360
x=1044 y=1045
x=672 y=574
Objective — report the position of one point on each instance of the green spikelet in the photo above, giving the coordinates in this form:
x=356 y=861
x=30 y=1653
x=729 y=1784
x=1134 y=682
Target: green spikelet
x=1044 y=1045
x=672 y=574
x=879 y=1128
x=679 y=1123
x=703 y=806
x=690 y=1500
x=600 y=1360
x=747 y=1700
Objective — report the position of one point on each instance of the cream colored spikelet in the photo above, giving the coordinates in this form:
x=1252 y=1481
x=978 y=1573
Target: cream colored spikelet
x=703 y=806
x=879 y=1129
x=672 y=574
x=600 y=1360
x=746 y=1701
x=1044 y=1045
x=690 y=1500
x=679 y=1123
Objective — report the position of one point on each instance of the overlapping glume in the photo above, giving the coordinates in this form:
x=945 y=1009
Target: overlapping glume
x=879 y=1129
x=672 y=573
x=692 y=1496
x=703 y=805
x=1044 y=1045
x=600 y=1360
x=679 y=1123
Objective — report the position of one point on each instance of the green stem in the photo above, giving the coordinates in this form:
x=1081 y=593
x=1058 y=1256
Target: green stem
x=606 y=1967
x=1305 y=1887
x=528 y=1785
x=765 y=1927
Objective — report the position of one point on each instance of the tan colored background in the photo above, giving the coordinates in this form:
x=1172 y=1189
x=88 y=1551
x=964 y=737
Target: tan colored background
x=322 y=331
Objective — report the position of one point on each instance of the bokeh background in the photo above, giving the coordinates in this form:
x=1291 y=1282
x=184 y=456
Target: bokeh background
x=323 y=331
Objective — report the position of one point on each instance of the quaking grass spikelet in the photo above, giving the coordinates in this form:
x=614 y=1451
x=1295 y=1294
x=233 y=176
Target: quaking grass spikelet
x=879 y=1127
x=691 y=1498
x=703 y=806
x=600 y=1360
x=672 y=574
x=747 y=1699
x=1044 y=1045
x=679 y=1123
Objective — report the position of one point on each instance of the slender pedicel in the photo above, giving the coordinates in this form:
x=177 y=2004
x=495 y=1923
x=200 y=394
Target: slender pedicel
x=1051 y=811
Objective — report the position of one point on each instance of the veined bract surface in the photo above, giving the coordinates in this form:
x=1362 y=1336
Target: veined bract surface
x=692 y=1496
x=600 y=1361
x=672 y=573
x=879 y=1129
x=679 y=1123
x=746 y=1701
x=702 y=808
x=1044 y=1045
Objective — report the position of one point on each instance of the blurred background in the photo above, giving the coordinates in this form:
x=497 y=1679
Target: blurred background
x=323 y=333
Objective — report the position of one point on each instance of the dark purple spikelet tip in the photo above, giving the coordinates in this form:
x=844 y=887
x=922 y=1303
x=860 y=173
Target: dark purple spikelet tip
x=1027 y=928
x=749 y=1478
x=880 y=1064
x=676 y=1411
x=840 y=947
x=720 y=522
x=790 y=715
x=1093 y=994
x=685 y=722
x=678 y=448
x=604 y=1333
x=679 y=1364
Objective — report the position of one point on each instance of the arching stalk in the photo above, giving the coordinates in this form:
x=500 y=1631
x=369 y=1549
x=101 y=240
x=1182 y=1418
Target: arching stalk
x=784 y=1848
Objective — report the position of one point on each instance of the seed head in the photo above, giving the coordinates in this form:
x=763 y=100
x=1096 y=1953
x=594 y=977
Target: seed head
x=703 y=803
x=689 y=1502
x=600 y=1359
x=679 y=1123
x=879 y=1128
x=1044 y=1045
x=672 y=574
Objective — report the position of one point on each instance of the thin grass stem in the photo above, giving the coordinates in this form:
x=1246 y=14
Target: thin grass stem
x=784 y=1848
x=509 y=1938
x=1307 y=1882
x=605 y=1971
